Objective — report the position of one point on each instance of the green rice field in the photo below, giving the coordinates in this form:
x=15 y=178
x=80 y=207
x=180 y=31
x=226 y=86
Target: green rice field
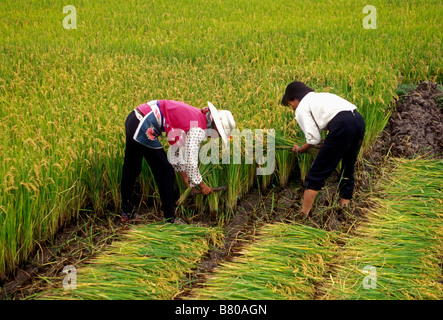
x=65 y=95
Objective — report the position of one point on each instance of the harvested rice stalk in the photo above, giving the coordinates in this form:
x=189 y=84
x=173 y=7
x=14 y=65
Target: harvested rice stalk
x=397 y=252
x=151 y=262
x=285 y=262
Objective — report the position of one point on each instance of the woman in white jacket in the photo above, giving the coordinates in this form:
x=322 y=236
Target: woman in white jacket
x=326 y=111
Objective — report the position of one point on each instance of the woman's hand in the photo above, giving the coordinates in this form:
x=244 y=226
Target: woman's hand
x=205 y=189
x=301 y=149
x=185 y=179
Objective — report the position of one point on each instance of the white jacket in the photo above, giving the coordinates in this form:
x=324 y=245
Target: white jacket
x=315 y=111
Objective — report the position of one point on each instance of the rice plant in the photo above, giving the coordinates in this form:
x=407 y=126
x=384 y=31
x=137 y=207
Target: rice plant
x=401 y=241
x=148 y=262
x=285 y=158
x=285 y=261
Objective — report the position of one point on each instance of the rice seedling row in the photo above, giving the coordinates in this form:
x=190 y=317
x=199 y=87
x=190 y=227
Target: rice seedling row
x=284 y=262
x=401 y=241
x=150 y=262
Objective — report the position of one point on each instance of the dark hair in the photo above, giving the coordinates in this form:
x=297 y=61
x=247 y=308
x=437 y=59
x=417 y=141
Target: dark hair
x=295 y=90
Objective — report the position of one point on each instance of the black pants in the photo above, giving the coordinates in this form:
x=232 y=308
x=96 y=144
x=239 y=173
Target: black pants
x=343 y=142
x=157 y=160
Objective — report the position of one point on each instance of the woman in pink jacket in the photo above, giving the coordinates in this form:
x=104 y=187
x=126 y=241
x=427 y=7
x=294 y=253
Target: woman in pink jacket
x=184 y=126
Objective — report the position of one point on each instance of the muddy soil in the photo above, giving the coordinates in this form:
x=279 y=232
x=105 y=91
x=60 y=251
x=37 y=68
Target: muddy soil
x=71 y=246
x=416 y=125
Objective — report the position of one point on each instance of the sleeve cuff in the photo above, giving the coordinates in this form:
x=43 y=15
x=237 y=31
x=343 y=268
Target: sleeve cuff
x=313 y=142
x=196 y=181
x=179 y=168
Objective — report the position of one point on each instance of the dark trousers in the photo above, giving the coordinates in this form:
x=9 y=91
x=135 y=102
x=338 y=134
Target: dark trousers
x=343 y=142
x=157 y=160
